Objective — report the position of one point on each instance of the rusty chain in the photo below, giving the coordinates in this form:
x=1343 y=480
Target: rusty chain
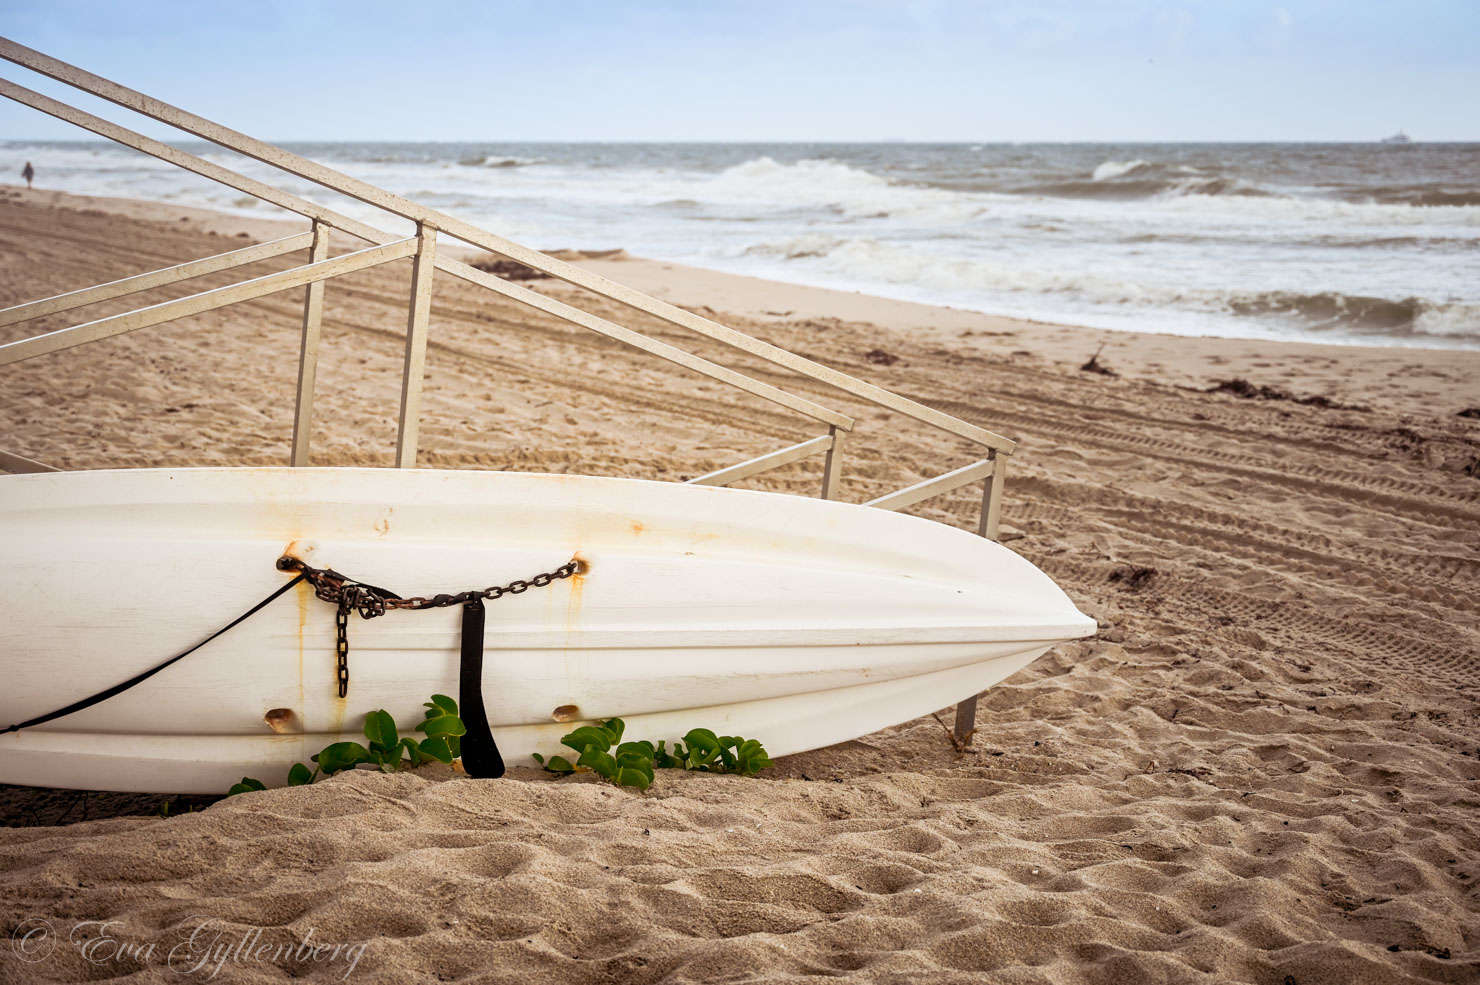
x=349 y=595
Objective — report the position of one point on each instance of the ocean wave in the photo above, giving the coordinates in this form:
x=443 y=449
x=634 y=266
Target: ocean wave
x=1413 y=195
x=1116 y=169
x=496 y=161
x=990 y=282
x=1331 y=212
x=1330 y=309
x=827 y=185
x=1123 y=180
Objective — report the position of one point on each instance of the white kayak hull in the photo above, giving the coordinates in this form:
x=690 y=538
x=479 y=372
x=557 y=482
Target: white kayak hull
x=797 y=622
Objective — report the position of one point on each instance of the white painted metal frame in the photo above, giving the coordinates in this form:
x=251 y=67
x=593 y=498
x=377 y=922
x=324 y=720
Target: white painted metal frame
x=764 y=463
x=423 y=249
x=157 y=278
x=308 y=348
x=130 y=321
x=21 y=465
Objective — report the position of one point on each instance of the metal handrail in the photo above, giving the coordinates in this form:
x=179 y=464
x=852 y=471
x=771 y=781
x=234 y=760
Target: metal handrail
x=355 y=188
x=430 y=223
x=153 y=279
x=130 y=321
x=458 y=269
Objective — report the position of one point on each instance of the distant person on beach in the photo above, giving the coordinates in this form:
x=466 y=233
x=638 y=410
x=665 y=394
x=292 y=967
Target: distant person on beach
x=28 y=173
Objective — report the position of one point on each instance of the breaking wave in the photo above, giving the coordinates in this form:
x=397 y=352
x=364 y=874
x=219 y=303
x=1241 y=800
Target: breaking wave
x=1330 y=309
x=1121 y=180
x=1330 y=243
x=991 y=282
x=832 y=186
x=1417 y=195
x=496 y=161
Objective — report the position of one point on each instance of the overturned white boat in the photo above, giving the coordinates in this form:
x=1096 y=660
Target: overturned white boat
x=794 y=621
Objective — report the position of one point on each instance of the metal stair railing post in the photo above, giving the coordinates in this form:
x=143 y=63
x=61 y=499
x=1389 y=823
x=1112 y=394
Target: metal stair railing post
x=832 y=469
x=964 y=725
x=414 y=369
x=992 y=497
x=308 y=350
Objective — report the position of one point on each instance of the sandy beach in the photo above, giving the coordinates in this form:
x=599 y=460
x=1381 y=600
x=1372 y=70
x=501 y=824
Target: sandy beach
x=1265 y=768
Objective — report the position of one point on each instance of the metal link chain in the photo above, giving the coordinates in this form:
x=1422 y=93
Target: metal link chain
x=341 y=645
x=349 y=595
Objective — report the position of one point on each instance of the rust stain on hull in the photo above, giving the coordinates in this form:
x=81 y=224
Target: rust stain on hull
x=305 y=597
x=573 y=604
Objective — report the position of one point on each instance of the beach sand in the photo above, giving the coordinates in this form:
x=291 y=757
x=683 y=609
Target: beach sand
x=1265 y=768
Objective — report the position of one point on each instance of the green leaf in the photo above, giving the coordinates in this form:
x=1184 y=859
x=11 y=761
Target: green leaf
x=616 y=727
x=703 y=748
x=443 y=725
x=342 y=756
x=631 y=762
x=455 y=744
x=436 y=748
x=248 y=785
x=413 y=750
x=642 y=747
x=702 y=738
x=629 y=777
x=380 y=729
x=634 y=758
x=556 y=764
x=663 y=759
x=752 y=758
x=440 y=705
x=299 y=776
x=599 y=761
x=590 y=737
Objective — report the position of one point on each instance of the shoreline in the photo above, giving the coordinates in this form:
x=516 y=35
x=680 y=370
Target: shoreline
x=1387 y=376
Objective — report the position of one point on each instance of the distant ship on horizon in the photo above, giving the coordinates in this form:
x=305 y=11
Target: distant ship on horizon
x=1398 y=138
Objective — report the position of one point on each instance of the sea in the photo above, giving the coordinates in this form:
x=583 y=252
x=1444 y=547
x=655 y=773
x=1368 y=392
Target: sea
x=1373 y=244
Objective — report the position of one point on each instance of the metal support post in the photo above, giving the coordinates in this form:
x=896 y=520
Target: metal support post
x=832 y=470
x=965 y=724
x=308 y=351
x=992 y=497
x=423 y=263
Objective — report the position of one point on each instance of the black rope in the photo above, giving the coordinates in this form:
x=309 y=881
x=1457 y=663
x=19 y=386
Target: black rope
x=120 y=688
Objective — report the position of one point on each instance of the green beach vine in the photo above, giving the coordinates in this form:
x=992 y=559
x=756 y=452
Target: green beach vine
x=387 y=748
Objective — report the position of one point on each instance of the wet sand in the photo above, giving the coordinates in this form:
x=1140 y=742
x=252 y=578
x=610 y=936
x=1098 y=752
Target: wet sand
x=1264 y=767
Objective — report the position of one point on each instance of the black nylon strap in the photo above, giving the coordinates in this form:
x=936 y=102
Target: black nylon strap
x=120 y=688
x=480 y=755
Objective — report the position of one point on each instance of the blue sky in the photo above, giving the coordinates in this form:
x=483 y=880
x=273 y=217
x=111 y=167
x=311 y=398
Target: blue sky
x=774 y=69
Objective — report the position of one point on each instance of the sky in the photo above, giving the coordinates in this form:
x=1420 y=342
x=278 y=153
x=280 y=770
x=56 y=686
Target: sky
x=771 y=70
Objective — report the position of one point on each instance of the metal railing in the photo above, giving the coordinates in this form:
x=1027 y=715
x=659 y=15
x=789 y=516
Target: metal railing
x=422 y=250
